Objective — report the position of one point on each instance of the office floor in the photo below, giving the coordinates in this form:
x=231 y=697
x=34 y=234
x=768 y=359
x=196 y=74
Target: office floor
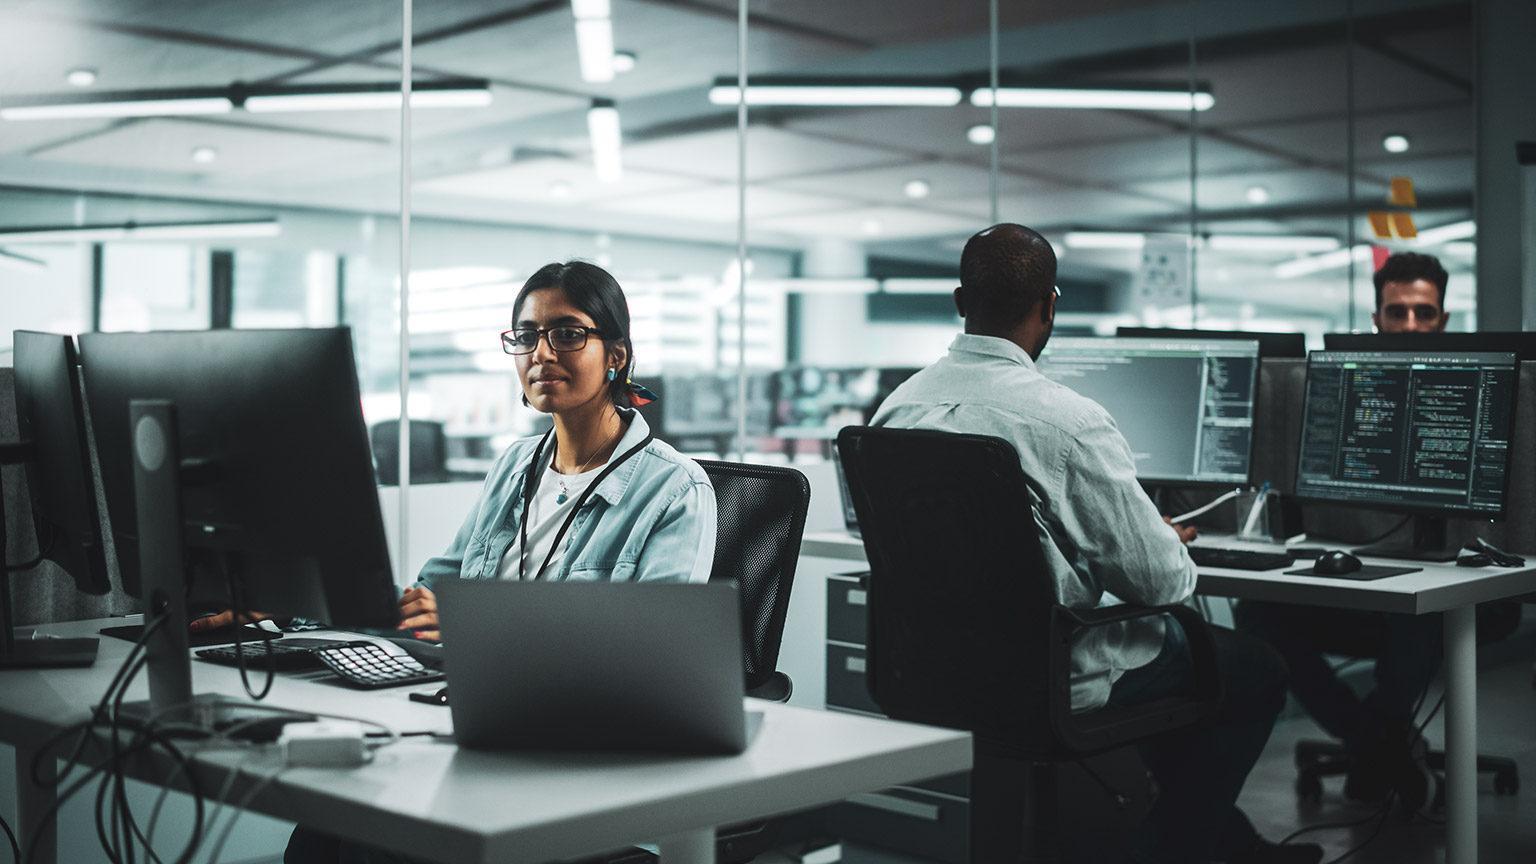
x=1507 y=827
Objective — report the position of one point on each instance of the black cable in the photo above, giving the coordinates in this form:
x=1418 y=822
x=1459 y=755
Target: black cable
x=232 y=577
x=11 y=836
x=1389 y=532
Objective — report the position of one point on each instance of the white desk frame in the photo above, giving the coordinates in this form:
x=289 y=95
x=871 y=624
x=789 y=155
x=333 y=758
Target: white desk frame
x=430 y=800
x=1437 y=587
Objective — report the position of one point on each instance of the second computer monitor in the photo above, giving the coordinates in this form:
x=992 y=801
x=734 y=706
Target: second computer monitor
x=1185 y=406
x=1417 y=432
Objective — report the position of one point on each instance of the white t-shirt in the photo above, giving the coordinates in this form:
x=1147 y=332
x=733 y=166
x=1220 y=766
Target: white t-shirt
x=546 y=513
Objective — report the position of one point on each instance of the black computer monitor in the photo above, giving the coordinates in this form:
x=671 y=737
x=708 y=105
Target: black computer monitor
x=1185 y=406
x=1270 y=344
x=50 y=422
x=279 y=511
x=1522 y=344
x=1425 y=433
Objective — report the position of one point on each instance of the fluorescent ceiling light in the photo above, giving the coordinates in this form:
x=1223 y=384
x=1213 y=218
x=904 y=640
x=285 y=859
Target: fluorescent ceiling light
x=1104 y=240
x=585 y=9
x=1070 y=97
x=135 y=231
x=470 y=97
x=1257 y=194
x=456 y=277
x=1446 y=233
x=821 y=286
x=920 y=286
x=607 y=139
x=21 y=262
x=1396 y=143
x=496 y=297
x=1319 y=263
x=81 y=77
x=1269 y=243
x=119 y=108
x=858 y=95
x=917 y=189
x=594 y=49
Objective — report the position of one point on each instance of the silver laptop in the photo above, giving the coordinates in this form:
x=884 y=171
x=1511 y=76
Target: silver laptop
x=594 y=666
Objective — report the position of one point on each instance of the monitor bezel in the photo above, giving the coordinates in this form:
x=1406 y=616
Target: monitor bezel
x=1393 y=507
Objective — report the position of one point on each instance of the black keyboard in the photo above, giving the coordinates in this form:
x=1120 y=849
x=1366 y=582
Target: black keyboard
x=361 y=663
x=366 y=664
x=287 y=655
x=1238 y=559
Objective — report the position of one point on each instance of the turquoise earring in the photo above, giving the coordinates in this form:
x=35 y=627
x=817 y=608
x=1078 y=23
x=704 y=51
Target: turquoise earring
x=612 y=374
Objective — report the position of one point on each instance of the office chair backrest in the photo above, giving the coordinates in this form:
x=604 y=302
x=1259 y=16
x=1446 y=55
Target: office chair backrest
x=959 y=599
x=757 y=544
x=429 y=451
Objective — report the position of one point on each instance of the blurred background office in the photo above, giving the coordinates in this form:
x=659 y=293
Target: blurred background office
x=208 y=163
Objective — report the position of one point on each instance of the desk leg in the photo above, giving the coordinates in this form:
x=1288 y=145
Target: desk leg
x=32 y=804
x=689 y=847
x=1461 y=735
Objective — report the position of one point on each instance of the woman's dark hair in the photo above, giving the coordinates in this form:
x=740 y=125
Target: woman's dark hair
x=597 y=294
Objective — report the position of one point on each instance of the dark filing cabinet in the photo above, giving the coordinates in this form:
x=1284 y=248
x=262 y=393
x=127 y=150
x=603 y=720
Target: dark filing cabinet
x=1100 y=803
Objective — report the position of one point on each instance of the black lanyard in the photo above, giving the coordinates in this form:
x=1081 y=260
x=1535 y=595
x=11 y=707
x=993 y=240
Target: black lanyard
x=531 y=485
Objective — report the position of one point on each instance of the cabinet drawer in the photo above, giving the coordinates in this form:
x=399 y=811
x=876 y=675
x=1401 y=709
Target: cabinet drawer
x=846 y=679
x=847 y=614
x=915 y=822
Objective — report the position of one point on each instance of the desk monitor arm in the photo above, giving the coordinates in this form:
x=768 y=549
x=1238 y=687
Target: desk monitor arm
x=30 y=653
x=1427 y=544
x=157 y=500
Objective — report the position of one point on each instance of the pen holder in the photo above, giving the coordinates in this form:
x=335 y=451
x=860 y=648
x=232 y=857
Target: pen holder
x=1253 y=514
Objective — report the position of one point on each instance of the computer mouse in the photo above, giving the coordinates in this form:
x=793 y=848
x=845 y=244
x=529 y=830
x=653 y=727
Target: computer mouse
x=1336 y=563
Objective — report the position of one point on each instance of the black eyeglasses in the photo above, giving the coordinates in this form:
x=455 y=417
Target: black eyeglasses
x=525 y=340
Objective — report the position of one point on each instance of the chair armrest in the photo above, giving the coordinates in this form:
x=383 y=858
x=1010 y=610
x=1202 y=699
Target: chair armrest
x=777 y=688
x=1103 y=728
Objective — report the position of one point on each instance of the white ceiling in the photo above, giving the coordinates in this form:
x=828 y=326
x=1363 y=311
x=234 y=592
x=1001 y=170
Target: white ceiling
x=1279 y=119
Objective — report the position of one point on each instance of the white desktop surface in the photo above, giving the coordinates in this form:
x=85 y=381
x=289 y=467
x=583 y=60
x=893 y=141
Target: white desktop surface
x=429 y=799
x=1436 y=587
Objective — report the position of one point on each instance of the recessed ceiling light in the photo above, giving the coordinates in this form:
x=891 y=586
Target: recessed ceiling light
x=204 y=155
x=1395 y=143
x=1257 y=194
x=559 y=189
x=80 y=77
x=624 y=61
x=981 y=133
x=917 y=189
x=872 y=226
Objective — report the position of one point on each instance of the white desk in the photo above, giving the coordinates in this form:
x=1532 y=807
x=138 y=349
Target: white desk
x=431 y=800
x=1445 y=588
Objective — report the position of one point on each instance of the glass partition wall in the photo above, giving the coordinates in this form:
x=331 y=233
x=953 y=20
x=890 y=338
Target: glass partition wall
x=1219 y=165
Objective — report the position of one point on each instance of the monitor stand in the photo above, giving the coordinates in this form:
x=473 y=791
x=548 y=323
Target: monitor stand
x=31 y=653
x=1428 y=543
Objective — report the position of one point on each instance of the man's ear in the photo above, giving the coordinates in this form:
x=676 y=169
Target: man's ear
x=959 y=303
x=1376 y=321
x=1048 y=309
x=1445 y=318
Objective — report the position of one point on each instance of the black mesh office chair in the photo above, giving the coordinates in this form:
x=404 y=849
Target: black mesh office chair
x=965 y=631
x=429 y=452
x=761 y=517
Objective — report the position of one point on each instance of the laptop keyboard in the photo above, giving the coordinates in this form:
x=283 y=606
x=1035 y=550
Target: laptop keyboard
x=1238 y=559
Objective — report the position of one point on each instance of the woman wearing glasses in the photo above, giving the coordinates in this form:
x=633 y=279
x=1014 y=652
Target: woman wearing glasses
x=595 y=498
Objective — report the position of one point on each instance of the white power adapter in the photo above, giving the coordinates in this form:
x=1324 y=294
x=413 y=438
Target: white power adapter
x=324 y=744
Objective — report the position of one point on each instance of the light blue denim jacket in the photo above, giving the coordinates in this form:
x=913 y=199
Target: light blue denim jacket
x=652 y=519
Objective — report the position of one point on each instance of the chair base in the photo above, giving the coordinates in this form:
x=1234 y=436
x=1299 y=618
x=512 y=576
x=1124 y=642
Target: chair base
x=1318 y=759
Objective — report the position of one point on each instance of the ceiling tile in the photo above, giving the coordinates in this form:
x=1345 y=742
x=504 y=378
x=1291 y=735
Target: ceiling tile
x=531 y=180
x=719 y=203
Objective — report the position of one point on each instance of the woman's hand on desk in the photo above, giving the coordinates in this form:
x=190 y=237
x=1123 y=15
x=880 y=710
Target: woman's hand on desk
x=1186 y=532
x=418 y=613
